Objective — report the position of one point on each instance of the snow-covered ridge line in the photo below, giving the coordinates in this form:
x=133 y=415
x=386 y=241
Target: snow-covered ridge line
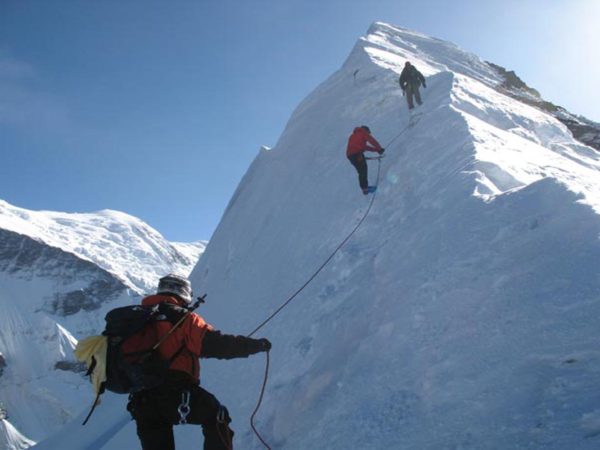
x=479 y=93
x=583 y=129
x=119 y=243
x=443 y=55
x=516 y=145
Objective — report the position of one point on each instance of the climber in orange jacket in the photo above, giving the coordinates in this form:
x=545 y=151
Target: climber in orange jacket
x=358 y=144
x=180 y=398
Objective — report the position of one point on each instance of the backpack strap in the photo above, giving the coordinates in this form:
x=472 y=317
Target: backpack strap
x=171 y=331
x=92 y=367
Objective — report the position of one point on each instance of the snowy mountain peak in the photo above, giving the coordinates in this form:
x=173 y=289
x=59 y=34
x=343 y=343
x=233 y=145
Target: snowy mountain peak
x=391 y=47
x=385 y=44
x=115 y=241
x=460 y=314
x=452 y=307
x=501 y=128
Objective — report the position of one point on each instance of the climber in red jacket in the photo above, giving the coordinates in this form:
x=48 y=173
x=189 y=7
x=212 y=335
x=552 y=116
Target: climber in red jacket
x=358 y=144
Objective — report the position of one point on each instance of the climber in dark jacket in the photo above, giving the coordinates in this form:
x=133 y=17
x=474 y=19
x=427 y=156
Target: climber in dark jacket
x=180 y=399
x=410 y=81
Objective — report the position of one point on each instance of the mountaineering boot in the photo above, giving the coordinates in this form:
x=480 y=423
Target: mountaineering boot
x=371 y=189
x=365 y=191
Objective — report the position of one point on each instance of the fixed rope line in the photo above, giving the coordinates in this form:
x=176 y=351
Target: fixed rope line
x=312 y=277
x=403 y=130
x=322 y=266
x=260 y=399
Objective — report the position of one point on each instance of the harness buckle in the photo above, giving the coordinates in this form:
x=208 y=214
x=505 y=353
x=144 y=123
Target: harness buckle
x=184 y=407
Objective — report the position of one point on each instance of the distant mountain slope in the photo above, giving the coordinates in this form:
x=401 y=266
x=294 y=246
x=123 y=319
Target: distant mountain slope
x=60 y=273
x=11 y=439
x=114 y=241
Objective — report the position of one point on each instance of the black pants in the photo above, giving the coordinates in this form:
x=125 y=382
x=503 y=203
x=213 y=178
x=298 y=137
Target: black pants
x=412 y=90
x=360 y=164
x=156 y=411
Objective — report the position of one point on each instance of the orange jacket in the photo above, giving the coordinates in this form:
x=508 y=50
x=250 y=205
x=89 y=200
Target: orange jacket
x=357 y=142
x=189 y=334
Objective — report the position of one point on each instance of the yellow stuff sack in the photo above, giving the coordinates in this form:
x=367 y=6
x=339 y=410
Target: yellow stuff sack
x=92 y=351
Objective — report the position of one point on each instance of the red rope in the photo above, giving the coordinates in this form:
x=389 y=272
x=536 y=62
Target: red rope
x=322 y=266
x=313 y=276
x=260 y=399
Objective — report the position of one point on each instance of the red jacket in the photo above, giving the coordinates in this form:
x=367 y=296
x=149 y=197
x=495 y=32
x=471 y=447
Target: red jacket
x=357 y=143
x=190 y=333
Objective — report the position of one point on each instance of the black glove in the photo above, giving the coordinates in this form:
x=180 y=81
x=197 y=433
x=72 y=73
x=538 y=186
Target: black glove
x=424 y=85
x=381 y=150
x=265 y=345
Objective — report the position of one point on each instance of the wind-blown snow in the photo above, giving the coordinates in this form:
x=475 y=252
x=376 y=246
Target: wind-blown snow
x=462 y=314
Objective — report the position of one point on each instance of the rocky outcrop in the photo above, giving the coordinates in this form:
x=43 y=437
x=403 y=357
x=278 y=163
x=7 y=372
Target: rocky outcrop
x=26 y=258
x=70 y=366
x=2 y=364
x=85 y=299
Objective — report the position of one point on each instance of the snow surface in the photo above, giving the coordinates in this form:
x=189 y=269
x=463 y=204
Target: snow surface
x=461 y=315
x=50 y=255
x=11 y=439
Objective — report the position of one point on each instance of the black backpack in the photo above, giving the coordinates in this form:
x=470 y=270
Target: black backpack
x=128 y=373
x=132 y=372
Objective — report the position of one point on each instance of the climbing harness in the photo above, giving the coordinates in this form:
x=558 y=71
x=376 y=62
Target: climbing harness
x=184 y=407
x=312 y=277
x=411 y=124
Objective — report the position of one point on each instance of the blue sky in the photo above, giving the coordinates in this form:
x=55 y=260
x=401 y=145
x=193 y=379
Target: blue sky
x=157 y=108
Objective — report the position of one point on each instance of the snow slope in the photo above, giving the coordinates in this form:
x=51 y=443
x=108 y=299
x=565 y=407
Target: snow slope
x=60 y=273
x=11 y=438
x=462 y=314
